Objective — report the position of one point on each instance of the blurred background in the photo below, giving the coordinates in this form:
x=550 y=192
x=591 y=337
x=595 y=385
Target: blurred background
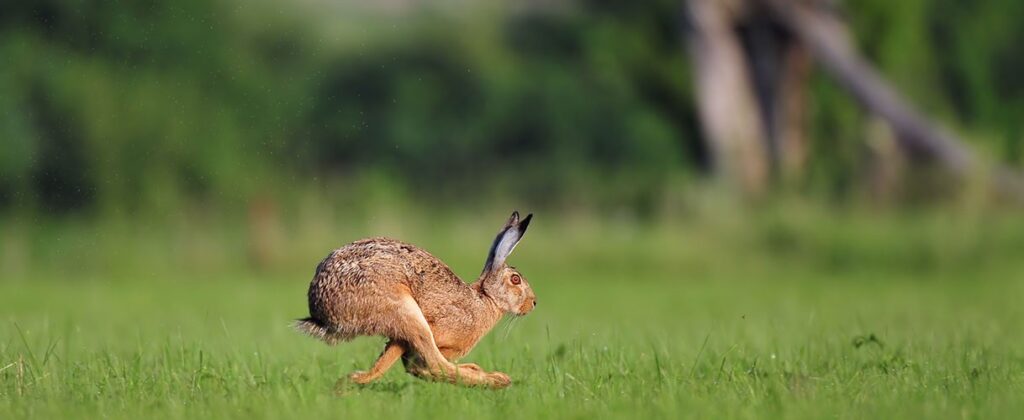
x=238 y=131
x=258 y=134
x=810 y=198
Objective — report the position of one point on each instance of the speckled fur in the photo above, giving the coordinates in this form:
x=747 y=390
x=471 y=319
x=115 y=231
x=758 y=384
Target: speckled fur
x=385 y=287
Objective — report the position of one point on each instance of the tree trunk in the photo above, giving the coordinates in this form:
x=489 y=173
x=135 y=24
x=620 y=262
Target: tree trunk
x=752 y=62
x=726 y=102
x=790 y=112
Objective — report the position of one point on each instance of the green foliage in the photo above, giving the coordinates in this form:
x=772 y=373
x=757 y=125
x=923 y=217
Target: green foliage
x=121 y=107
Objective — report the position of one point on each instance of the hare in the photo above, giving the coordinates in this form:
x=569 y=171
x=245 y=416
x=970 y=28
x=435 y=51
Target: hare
x=384 y=287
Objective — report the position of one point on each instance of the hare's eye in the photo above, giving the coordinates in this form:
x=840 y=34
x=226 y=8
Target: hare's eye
x=516 y=279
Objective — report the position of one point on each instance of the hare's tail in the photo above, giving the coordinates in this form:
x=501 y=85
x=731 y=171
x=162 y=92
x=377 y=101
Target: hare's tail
x=316 y=329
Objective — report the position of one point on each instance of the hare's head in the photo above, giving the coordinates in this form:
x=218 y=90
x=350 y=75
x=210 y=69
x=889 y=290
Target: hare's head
x=504 y=283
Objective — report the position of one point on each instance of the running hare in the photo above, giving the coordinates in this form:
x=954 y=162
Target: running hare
x=384 y=287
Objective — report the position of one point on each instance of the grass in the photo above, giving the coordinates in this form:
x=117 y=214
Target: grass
x=856 y=318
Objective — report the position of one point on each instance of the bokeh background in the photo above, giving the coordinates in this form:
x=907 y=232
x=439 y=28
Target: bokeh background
x=171 y=172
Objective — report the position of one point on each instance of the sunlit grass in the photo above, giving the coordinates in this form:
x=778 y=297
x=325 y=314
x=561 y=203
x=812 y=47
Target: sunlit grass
x=634 y=322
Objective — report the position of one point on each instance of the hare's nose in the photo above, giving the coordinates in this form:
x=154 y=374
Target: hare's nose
x=535 y=303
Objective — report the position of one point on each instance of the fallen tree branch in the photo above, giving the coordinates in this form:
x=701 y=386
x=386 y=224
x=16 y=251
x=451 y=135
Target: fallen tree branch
x=827 y=39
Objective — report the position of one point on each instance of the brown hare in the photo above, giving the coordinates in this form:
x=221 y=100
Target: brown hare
x=432 y=318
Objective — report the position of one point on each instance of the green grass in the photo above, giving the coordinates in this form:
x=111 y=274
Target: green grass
x=852 y=319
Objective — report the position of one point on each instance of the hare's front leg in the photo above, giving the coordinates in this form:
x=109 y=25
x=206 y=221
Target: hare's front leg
x=392 y=351
x=470 y=373
x=498 y=378
x=430 y=363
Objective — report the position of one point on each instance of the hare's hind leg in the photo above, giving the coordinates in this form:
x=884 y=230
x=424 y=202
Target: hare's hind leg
x=392 y=351
x=432 y=364
x=496 y=377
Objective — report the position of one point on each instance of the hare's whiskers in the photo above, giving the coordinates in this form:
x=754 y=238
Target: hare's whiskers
x=511 y=323
x=505 y=322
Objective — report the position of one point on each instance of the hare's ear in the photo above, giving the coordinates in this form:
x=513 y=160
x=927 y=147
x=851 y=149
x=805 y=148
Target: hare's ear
x=506 y=240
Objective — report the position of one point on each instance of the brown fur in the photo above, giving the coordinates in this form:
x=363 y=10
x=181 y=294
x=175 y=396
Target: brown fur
x=384 y=287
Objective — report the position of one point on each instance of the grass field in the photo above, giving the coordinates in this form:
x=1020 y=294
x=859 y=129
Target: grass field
x=830 y=318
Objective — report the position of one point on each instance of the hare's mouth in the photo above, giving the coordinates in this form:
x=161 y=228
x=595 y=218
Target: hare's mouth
x=526 y=307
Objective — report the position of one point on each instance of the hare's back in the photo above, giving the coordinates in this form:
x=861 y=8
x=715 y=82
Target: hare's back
x=379 y=264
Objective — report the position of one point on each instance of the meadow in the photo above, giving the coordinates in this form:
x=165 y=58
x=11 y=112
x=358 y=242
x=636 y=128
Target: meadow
x=789 y=314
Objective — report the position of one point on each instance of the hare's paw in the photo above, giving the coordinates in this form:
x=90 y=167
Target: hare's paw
x=498 y=380
x=471 y=366
x=360 y=377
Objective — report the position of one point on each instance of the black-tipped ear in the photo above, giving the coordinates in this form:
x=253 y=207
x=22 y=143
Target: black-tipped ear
x=506 y=240
x=512 y=220
x=524 y=224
